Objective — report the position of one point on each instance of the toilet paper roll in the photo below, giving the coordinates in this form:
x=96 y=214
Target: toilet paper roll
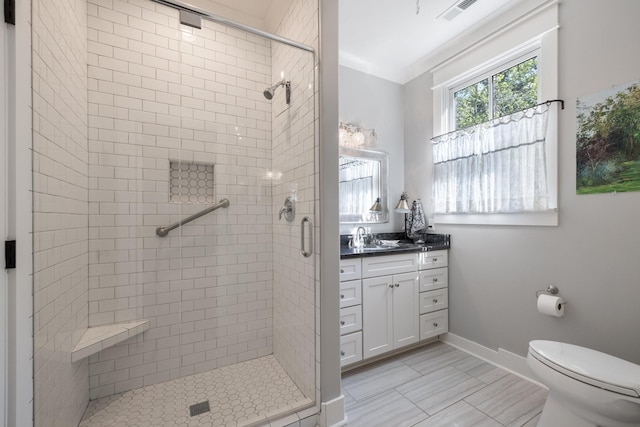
x=551 y=305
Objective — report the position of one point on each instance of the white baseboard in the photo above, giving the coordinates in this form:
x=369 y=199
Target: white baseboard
x=502 y=358
x=332 y=413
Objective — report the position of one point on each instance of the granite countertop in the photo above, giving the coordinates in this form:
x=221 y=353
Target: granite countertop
x=432 y=242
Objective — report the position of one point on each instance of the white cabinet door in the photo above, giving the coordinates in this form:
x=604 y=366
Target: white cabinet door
x=389 y=264
x=433 y=259
x=434 y=300
x=350 y=348
x=377 y=316
x=406 y=324
x=350 y=293
x=435 y=278
x=350 y=269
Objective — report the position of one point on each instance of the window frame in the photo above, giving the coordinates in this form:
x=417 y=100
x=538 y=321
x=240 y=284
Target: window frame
x=495 y=42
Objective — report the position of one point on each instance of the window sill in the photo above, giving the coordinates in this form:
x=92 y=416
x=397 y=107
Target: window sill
x=546 y=219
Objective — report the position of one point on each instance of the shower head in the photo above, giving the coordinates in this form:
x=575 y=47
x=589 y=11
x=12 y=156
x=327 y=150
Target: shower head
x=270 y=91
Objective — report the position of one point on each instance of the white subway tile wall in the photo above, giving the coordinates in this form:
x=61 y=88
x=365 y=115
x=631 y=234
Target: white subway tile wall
x=294 y=163
x=60 y=200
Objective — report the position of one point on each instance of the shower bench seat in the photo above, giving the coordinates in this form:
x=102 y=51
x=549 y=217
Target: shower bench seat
x=97 y=338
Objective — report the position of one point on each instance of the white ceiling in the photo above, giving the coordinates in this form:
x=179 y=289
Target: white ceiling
x=385 y=38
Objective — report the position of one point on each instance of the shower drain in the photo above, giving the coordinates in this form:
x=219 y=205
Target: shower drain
x=199 y=408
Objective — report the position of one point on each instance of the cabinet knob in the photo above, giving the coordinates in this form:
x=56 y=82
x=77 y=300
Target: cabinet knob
x=342 y=322
x=391 y=286
x=397 y=285
x=341 y=296
x=435 y=300
x=435 y=324
x=341 y=270
x=342 y=353
x=435 y=279
x=435 y=260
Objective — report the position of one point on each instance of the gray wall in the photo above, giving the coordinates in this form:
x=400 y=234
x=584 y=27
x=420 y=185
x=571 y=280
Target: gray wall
x=592 y=256
x=376 y=103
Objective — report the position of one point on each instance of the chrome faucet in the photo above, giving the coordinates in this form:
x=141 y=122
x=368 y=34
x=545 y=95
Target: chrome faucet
x=360 y=235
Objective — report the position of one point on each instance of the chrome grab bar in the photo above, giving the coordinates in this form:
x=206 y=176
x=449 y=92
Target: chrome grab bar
x=163 y=231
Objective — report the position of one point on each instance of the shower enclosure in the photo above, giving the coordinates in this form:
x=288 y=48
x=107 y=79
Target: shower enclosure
x=143 y=122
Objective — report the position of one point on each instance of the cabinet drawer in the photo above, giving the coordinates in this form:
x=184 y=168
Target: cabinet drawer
x=435 y=278
x=434 y=259
x=389 y=264
x=350 y=269
x=434 y=300
x=350 y=348
x=433 y=324
x=350 y=293
x=350 y=319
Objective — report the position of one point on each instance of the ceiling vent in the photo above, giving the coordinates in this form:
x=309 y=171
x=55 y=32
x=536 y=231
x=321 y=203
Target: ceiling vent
x=456 y=9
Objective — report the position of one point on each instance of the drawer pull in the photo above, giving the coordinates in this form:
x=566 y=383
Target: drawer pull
x=342 y=271
x=435 y=279
x=435 y=300
x=391 y=286
x=341 y=296
x=435 y=324
x=397 y=285
x=342 y=353
x=435 y=260
x=342 y=322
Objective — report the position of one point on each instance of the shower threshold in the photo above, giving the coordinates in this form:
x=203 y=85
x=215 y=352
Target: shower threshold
x=250 y=393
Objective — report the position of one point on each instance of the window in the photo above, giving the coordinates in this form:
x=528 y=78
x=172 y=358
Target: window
x=512 y=68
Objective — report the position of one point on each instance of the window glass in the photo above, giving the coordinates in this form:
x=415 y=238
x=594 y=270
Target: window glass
x=515 y=88
x=472 y=104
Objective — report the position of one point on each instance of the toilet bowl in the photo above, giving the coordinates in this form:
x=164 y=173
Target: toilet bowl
x=586 y=388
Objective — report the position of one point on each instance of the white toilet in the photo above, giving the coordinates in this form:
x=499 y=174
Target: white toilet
x=586 y=388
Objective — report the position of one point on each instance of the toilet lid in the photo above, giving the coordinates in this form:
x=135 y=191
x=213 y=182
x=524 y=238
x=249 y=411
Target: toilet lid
x=589 y=366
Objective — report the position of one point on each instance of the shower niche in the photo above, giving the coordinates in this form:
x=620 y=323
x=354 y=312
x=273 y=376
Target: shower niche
x=191 y=182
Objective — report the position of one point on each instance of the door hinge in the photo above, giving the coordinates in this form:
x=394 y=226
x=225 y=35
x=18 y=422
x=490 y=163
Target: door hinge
x=10 y=254
x=10 y=12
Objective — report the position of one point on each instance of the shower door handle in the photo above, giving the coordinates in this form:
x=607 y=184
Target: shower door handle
x=302 y=239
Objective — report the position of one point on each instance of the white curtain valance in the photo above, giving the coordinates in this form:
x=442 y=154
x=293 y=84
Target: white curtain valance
x=494 y=167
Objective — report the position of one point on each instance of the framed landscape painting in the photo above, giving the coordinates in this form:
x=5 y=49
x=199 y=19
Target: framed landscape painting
x=608 y=140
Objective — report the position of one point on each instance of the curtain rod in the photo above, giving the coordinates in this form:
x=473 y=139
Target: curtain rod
x=547 y=102
x=180 y=5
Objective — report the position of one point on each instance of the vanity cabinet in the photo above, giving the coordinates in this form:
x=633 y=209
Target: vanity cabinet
x=389 y=303
x=350 y=311
x=434 y=293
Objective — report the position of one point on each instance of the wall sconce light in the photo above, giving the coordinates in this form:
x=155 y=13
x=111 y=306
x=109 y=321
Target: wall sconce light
x=403 y=206
x=376 y=207
x=351 y=135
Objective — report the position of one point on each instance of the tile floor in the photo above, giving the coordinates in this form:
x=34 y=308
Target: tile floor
x=437 y=386
x=245 y=394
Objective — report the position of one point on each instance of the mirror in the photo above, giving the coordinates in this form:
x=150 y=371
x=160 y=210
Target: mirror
x=363 y=179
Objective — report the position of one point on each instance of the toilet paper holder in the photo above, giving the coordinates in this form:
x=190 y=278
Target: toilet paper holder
x=551 y=290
